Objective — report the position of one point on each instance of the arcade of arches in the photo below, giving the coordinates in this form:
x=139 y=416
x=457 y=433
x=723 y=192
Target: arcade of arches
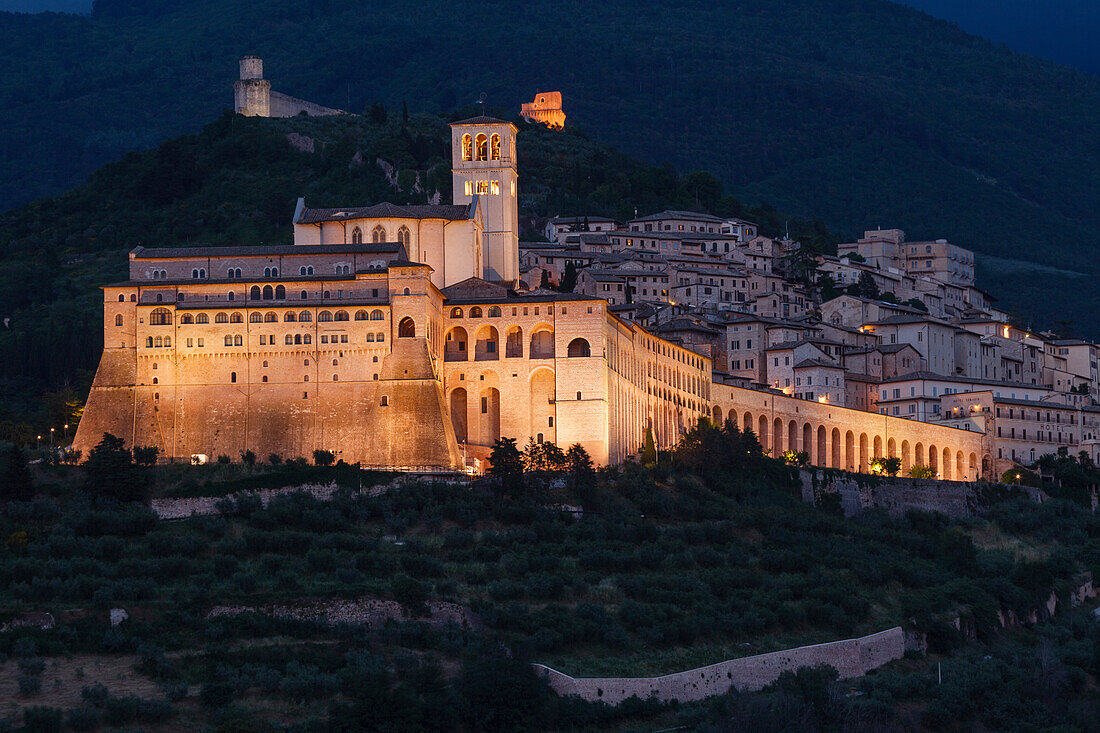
x=837 y=437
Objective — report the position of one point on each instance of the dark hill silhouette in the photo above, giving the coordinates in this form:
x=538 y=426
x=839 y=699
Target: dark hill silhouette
x=862 y=112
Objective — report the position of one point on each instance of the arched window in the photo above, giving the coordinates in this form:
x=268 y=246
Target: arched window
x=289 y=340
x=237 y=340
x=271 y=317
x=307 y=339
x=194 y=274
x=380 y=337
x=280 y=292
x=494 y=311
x=475 y=312
x=406 y=329
x=267 y=272
x=305 y=316
x=202 y=318
x=237 y=273
x=467 y=147
x=255 y=318
x=231 y=274
x=290 y=317
x=254 y=292
x=340 y=316
x=377 y=315
x=121 y=298
x=356 y=237
x=179 y=297
x=404 y=236
x=160 y=317
x=148 y=342
x=274 y=272
x=360 y=315
x=236 y=318
x=167 y=340
x=297 y=338
x=494 y=147
x=228 y=340
x=370 y=338
x=304 y=295
x=456 y=313
x=231 y=296
x=269 y=293
x=579 y=347
x=378 y=235
x=160 y=298
x=309 y=269
x=302 y=270
x=155 y=380
x=324 y=317
x=481 y=147
x=406 y=291
x=133 y=297
x=186 y=318
x=118 y=320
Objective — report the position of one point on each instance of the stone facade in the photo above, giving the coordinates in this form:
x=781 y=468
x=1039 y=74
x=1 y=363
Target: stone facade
x=400 y=337
x=851 y=658
x=546 y=109
x=840 y=437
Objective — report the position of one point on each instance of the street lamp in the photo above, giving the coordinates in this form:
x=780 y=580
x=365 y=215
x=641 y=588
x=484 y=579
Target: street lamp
x=51 y=437
x=66 y=432
x=39 y=442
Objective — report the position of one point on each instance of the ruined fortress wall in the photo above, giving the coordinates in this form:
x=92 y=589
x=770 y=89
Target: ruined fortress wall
x=282 y=105
x=851 y=658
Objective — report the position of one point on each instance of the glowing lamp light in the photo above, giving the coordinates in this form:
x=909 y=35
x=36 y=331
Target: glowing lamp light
x=823 y=398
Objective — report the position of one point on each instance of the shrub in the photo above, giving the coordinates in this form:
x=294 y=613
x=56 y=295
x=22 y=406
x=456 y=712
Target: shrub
x=29 y=685
x=411 y=594
x=85 y=717
x=41 y=719
x=223 y=459
x=926 y=472
x=274 y=459
x=216 y=694
x=95 y=695
x=323 y=458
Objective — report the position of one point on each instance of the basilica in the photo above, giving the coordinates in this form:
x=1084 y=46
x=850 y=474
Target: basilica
x=394 y=336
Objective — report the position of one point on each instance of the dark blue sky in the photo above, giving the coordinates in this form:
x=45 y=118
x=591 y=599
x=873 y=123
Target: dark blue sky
x=1063 y=30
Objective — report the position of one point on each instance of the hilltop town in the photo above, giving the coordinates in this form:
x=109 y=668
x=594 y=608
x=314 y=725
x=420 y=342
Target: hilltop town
x=436 y=330
x=888 y=325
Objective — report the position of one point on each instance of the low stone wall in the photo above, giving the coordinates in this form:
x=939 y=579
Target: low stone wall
x=184 y=508
x=851 y=658
x=899 y=494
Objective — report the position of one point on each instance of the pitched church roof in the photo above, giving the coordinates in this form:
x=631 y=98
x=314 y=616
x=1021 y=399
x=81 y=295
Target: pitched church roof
x=386 y=210
x=482 y=120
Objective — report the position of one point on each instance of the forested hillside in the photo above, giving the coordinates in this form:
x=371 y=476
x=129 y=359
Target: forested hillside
x=236 y=182
x=862 y=112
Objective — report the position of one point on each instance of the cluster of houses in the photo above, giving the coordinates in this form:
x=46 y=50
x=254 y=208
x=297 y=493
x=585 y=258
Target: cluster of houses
x=887 y=325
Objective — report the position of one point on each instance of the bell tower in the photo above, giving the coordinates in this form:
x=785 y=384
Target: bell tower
x=483 y=165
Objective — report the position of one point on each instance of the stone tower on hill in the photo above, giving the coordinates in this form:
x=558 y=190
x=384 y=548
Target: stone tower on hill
x=252 y=96
x=483 y=155
x=545 y=109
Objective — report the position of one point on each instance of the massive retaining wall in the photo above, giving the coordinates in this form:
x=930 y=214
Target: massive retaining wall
x=898 y=495
x=851 y=658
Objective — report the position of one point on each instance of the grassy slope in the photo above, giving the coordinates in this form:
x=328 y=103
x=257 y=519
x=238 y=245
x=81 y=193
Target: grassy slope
x=658 y=576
